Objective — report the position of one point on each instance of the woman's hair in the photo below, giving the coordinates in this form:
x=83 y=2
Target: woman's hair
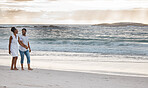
x=13 y=29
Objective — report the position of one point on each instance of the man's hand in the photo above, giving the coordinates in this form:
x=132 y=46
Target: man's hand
x=29 y=50
x=26 y=47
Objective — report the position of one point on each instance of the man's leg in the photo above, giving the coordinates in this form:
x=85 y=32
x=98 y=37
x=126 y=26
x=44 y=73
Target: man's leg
x=28 y=59
x=22 y=59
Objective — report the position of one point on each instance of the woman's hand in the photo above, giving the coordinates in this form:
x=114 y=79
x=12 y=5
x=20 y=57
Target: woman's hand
x=9 y=52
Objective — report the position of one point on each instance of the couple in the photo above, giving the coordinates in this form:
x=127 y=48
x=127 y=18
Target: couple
x=14 y=47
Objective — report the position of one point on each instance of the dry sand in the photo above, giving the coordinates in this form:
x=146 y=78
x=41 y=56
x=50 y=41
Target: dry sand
x=71 y=70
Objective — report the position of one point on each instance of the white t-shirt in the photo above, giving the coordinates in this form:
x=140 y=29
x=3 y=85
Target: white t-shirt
x=25 y=40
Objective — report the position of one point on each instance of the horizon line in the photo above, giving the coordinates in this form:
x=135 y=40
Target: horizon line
x=70 y=23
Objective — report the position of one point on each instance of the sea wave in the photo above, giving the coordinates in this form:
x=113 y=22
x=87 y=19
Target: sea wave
x=123 y=40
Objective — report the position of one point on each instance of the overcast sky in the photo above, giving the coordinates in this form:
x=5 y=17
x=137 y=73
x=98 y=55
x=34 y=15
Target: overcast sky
x=72 y=11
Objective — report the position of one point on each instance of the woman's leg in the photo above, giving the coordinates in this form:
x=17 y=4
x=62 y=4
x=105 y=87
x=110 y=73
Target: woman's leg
x=15 y=60
x=12 y=63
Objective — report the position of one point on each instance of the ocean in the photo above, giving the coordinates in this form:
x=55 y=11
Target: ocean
x=105 y=40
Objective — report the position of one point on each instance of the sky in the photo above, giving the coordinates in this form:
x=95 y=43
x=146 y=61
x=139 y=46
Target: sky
x=72 y=11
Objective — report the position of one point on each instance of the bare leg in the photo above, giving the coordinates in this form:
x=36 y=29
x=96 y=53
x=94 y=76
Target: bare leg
x=15 y=60
x=12 y=63
x=29 y=67
x=22 y=66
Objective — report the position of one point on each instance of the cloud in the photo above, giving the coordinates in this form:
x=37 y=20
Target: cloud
x=103 y=16
x=22 y=0
x=80 y=16
x=18 y=16
x=71 y=5
x=73 y=11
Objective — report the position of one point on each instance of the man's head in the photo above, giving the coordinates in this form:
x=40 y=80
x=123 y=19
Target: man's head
x=24 y=31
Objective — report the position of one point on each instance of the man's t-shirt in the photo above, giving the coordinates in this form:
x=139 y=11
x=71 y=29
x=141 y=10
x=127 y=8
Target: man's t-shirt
x=24 y=39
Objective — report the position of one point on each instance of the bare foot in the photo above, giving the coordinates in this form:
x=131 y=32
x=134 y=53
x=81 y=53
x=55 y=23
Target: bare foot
x=22 y=68
x=11 y=69
x=15 y=69
x=30 y=69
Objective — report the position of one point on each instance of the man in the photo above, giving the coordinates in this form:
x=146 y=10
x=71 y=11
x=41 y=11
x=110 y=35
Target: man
x=22 y=50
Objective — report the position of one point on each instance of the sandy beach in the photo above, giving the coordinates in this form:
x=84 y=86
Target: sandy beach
x=74 y=70
x=39 y=78
x=74 y=43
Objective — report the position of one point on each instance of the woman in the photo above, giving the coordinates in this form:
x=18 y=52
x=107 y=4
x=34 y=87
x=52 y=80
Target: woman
x=13 y=47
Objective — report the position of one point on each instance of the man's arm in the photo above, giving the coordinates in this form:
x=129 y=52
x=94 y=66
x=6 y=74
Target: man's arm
x=10 y=39
x=22 y=44
x=29 y=47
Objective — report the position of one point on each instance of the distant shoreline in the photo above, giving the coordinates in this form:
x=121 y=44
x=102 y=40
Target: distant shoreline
x=116 y=24
x=121 y=24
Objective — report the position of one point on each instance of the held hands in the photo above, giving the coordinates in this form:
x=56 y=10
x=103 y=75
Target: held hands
x=25 y=47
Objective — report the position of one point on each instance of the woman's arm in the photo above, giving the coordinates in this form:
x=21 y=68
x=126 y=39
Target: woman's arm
x=10 y=39
x=21 y=43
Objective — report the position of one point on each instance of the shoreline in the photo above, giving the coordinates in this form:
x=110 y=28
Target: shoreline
x=4 y=52
x=80 y=62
